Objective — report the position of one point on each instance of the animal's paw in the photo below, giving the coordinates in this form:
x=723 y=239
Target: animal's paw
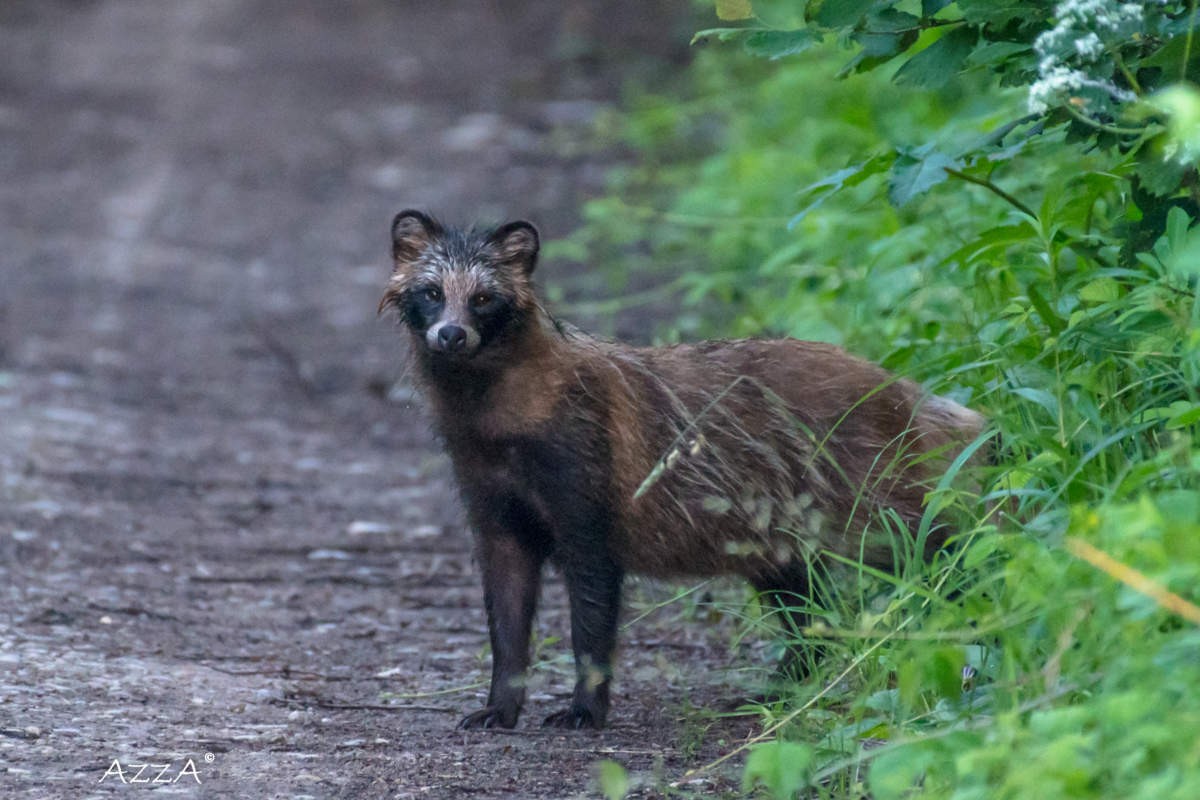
x=574 y=718
x=490 y=717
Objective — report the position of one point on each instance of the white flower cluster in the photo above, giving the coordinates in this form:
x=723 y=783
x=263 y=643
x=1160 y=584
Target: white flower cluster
x=1060 y=81
x=1080 y=39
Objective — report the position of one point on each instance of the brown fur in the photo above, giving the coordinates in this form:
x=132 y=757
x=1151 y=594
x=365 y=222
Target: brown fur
x=790 y=428
x=750 y=457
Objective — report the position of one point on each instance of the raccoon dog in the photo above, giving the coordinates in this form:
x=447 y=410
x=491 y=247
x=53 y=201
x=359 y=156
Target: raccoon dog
x=751 y=457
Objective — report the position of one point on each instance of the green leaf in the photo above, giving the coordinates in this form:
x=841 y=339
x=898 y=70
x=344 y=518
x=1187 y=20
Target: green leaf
x=1040 y=397
x=850 y=176
x=894 y=772
x=722 y=34
x=1001 y=237
x=943 y=668
x=884 y=34
x=777 y=44
x=1054 y=322
x=1101 y=290
x=1170 y=56
x=892 y=21
x=917 y=171
x=839 y=13
x=782 y=767
x=999 y=13
x=934 y=66
x=734 y=9
x=613 y=779
x=886 y=700
x=1179 y=247
x=763 y=42
x=1176 y=231
x=877 y=45
x=1159 y=176
x=994 y=53
x=980 y=551
x=931 y=7
x=1187 y=417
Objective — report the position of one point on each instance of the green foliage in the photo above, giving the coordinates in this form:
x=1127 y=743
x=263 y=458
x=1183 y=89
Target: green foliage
x=781 y=766
x=1111 y=676
x=613 y=779
x=1000 y=198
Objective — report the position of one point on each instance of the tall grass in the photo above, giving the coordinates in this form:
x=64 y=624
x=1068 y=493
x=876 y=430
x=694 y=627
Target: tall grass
x=1054 y=650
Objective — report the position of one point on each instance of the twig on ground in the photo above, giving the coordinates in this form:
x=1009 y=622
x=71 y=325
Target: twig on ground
x=382 y=707
x=282 y=672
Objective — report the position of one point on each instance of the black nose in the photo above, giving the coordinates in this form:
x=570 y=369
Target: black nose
x=451 y=338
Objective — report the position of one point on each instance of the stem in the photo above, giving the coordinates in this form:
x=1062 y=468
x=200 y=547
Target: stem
x=1129 y=76
x=1133 y=579
x=997 y=136
x=1113 y=129
x=994 y=189
x=1187 y=47
x=923 y=25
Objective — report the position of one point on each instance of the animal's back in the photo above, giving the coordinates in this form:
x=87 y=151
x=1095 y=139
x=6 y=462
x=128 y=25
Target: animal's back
x=740 y=456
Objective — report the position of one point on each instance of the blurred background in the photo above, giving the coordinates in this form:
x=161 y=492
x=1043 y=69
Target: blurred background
x=173 y=173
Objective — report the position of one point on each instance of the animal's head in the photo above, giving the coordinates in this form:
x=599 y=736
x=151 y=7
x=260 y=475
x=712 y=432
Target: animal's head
x=460 y=292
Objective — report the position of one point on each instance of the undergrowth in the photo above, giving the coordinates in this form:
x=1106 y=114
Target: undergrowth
x=1000 y=200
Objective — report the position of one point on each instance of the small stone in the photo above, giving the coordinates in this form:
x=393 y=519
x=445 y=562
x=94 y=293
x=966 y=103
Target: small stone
x=402 y=395
x=362 y=527
x=49 y=509
x=329 y=555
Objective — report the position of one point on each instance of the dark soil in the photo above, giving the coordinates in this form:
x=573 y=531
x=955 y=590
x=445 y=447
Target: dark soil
x=226 y=533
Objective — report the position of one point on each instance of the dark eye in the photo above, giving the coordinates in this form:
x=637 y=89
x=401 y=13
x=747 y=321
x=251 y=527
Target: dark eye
x=432 y=293
x=481 y=299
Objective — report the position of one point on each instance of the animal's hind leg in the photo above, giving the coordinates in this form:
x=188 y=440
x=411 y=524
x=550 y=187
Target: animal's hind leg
x=789 y=594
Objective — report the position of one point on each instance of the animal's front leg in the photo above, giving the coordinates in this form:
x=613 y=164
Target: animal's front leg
x=511 y=578
x=594 y=584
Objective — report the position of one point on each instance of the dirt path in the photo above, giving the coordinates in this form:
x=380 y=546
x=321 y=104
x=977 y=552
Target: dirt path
x=226 y=534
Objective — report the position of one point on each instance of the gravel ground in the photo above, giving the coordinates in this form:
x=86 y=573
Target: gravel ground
x=228 y=542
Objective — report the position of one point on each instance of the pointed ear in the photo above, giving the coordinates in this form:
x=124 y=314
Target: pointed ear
x=411 y=233
x=517 y=244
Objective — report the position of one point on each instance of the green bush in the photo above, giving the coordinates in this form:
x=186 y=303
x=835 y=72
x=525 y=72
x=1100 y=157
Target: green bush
x=998 y=198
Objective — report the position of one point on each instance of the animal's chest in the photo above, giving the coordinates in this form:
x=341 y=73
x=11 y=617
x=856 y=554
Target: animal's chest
x=517 y=466
x=545 y=470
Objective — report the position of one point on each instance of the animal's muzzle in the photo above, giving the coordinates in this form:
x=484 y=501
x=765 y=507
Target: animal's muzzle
x=451 y=338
